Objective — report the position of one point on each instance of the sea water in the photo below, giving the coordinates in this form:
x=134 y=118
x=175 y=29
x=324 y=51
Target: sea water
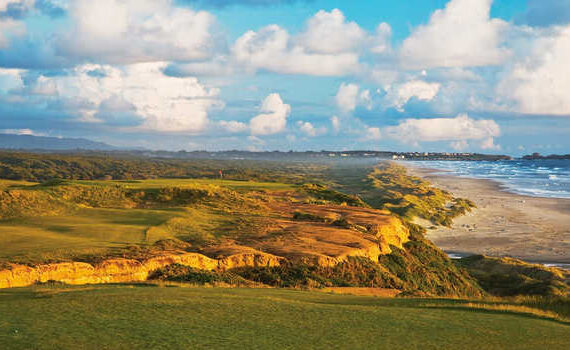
x=538 y=178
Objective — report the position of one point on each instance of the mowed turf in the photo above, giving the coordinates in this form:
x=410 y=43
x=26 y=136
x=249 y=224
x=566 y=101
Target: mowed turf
x=128 y=317
x=85 y=231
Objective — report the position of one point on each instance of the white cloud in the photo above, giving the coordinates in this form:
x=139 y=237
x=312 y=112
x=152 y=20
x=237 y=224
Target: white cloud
x=43 y=86
x=489 y=144
x=335 y=123
x=127 y=31
x=21 y=132
x=11 y=79
x=273 y=117
x=233 y=126
x=459 y=128
x=346 y=97
x=330 y=33
x=349 y=96
x=460 y=145
x=308 y=129
x=461 y=35
x=256 y=143
x=400 y=95
x=381 y=42
x=164 y=104
x=538 y=83
x=9 y=29
x=271 y=49
x=373 y=133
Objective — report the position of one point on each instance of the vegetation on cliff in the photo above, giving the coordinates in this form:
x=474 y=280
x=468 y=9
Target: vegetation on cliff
x=411 y=197
x=509 y=277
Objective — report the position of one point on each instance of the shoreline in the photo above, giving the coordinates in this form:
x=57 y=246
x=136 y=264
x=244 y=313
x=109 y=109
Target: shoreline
x=505 y=224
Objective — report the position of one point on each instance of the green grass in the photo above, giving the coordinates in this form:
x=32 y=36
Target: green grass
x=87 y=231
x=127 y=317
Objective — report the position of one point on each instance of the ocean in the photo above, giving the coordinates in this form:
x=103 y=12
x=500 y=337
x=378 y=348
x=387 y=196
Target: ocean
x=537 y=178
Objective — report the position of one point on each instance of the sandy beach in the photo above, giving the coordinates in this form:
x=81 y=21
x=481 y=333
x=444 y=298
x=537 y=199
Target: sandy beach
x=504 y=224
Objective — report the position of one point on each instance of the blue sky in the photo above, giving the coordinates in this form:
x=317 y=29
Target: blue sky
x=442 y=75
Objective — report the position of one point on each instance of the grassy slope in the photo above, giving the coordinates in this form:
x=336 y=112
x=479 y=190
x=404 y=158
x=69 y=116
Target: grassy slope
x=144 y=317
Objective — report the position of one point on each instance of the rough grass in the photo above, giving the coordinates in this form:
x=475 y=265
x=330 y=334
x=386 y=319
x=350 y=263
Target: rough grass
x=322 y=194
x=411 y=197
x=126 y=317
x=509 y=277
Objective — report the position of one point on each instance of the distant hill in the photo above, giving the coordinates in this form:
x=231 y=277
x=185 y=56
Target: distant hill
x=536 y=156
x=29 y=142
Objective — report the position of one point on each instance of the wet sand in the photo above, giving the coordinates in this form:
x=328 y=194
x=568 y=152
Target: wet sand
x=504 y=224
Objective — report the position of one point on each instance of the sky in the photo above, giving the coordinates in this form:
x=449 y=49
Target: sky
x=416 y=75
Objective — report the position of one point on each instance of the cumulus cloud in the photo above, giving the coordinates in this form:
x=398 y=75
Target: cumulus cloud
x=381 y=41
x=10 y=28
x=233 y=126
x=400 y=95
x=129 y=31
x=330 y=33
x=138 y=95
x=272 y=49
x=460 y=145
x=461 y=35
x=460 y=128
x=349 y=96
x=273 y=116
x=538 y=83
x=11 y=79
x=372 y=134
x=489 y=144
x=335 y=123
x=308 y=129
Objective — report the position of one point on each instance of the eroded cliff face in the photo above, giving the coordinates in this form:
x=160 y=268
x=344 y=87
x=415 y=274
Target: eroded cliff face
x=124 y=270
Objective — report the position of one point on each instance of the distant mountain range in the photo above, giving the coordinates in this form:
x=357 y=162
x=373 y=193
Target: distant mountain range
x=29 y=142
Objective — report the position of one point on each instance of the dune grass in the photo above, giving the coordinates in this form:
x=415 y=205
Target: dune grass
x=126 y=317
